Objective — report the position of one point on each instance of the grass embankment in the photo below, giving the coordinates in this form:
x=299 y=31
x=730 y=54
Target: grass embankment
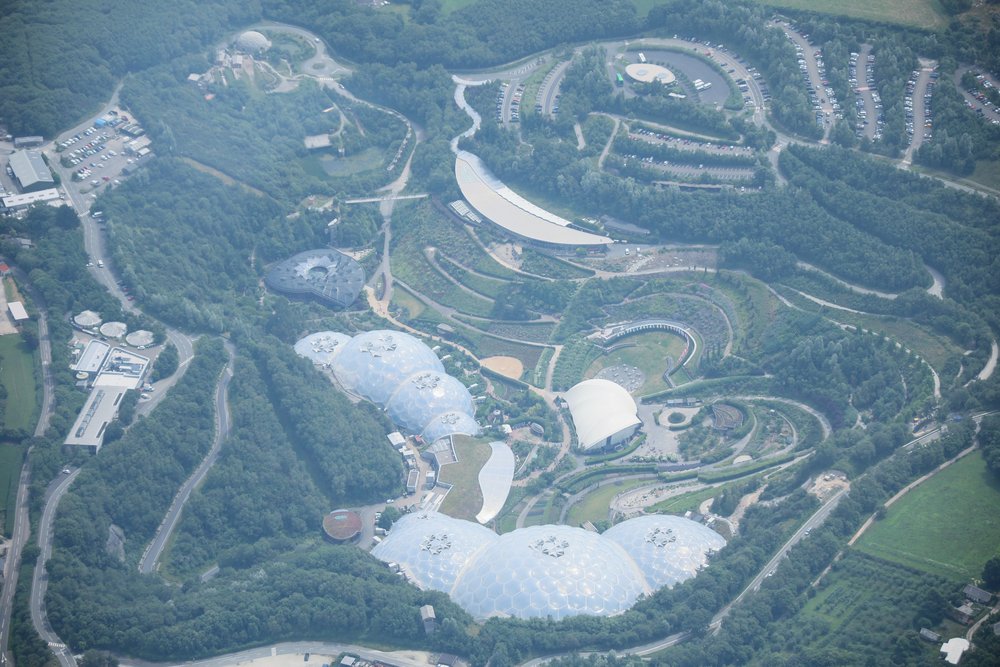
x=17 y=375
x=465 y=498
x=948 y=526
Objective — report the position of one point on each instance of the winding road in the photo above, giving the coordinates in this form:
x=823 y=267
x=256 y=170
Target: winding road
x=151 y=556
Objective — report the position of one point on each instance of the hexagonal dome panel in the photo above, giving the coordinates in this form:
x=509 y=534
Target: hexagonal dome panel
x=668 y=549
x=425 y=395
x=432 y=548
x=374 y=363
x=549 y=571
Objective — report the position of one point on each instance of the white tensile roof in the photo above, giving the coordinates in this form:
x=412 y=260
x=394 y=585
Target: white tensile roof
x=600 y=408
x=500 y=204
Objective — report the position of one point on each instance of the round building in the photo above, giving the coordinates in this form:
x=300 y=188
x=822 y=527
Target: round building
x=342 y=526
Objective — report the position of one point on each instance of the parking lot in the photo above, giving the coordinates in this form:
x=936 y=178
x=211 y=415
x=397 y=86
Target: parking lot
x=100 y=155
x=868 y=105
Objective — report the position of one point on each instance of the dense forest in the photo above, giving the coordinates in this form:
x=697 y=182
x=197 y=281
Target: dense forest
x=194 y=261
x=192 y=248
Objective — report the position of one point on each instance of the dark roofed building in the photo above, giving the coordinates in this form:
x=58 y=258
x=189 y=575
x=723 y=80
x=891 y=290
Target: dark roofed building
x=977 y=594
x=30 y=171
x=327 y=275
x=342 y=526
x=428 y=618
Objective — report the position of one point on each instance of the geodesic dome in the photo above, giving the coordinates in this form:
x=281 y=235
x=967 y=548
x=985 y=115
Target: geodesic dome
x=321 y=347
x=253 y=41
x=425 y=395
x=668 y=549
x=433 y=548
x=547 y=571
x=373 y=364
x=449 y=423
x=550 y=571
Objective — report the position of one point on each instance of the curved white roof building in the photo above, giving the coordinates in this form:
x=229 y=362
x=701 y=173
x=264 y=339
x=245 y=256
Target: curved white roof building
x=546 y=571
x=504 y=207
x=604 y=414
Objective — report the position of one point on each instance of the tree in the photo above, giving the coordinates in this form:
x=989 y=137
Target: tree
x=991 y=574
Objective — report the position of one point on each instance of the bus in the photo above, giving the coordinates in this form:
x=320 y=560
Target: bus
x=619 y=80
x=642 y=58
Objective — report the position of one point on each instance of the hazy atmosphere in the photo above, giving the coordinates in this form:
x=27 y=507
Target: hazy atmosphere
x=405 y=333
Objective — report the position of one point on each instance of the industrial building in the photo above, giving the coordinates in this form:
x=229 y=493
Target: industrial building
x=16 y=202
x=30 y=171
x=547 y=571
x=603 y=413
x=329 y=276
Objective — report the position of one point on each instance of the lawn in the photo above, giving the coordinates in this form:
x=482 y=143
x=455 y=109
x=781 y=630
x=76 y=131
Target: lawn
x=915 y=13
x=594 y=506
x=465 y=498
x=403 y=298
x=11 y=458
x=948 y=526
x=987 y=173
x=17 y=374
x=647 y=353
x=686 y=501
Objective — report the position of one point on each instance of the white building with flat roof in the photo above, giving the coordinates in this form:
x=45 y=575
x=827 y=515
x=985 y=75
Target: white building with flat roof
x=15 y=202
x=17 y=311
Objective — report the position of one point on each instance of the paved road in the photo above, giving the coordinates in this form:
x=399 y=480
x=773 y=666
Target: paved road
x=22 y=523
x=807 y=52
x=149 y=560
x=924 y=78
x=550 y=88
x=865 y=93
x=40 y=581
x=401 y=658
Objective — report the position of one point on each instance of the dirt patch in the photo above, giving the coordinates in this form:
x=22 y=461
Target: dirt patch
x=507 y=366
x=828 y=484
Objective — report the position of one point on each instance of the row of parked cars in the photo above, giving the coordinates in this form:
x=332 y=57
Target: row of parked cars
x=911 y=122
x=862 y=113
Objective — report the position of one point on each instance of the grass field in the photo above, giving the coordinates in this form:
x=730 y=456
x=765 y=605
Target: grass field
x=687 y=501
x=403 y=298
x=594 y=506
x=17 y=374
x=649 y=354
x=948 y=526
x=915 y=13
x=10 y=468
x=465 y=498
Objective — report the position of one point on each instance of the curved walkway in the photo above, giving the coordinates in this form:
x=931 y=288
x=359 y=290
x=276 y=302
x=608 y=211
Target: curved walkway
x=151 y=556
